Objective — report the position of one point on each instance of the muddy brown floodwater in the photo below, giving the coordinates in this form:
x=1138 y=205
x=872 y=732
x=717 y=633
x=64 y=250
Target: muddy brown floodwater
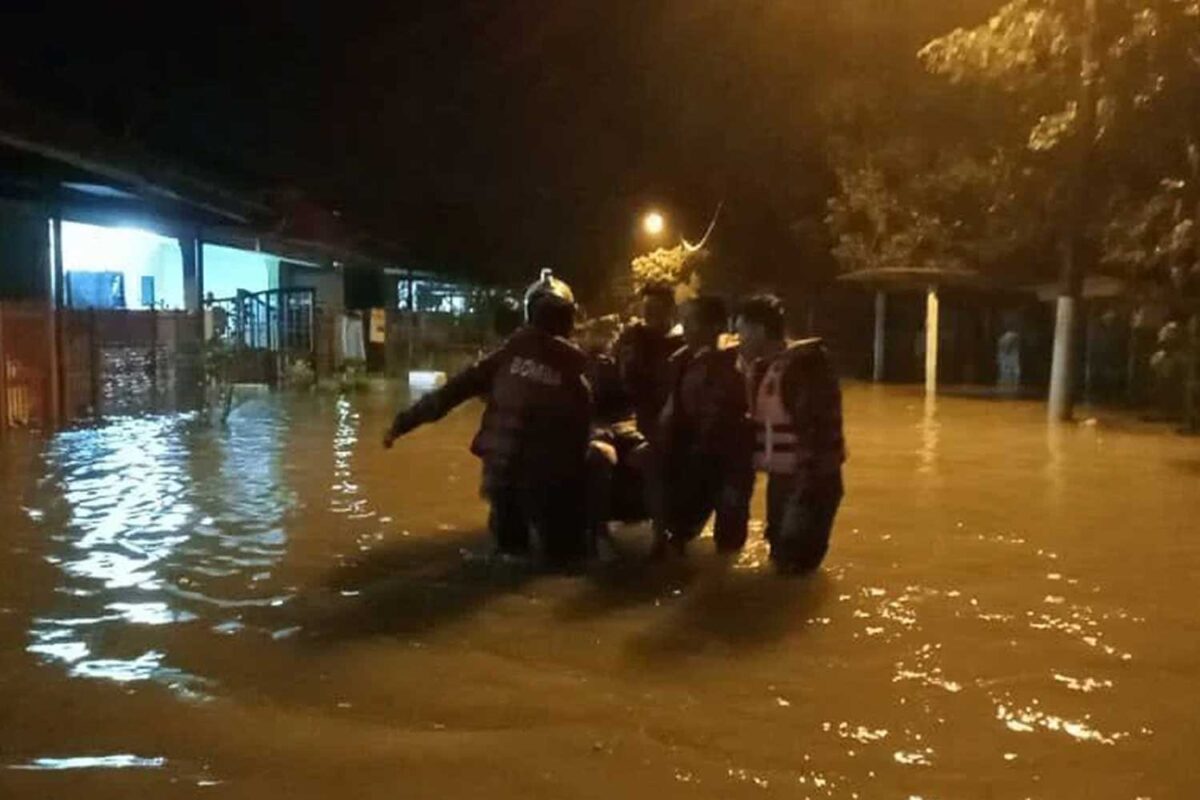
x=281 y=609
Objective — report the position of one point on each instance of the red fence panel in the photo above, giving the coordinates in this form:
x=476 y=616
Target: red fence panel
x=112 y=363
x=26 y=361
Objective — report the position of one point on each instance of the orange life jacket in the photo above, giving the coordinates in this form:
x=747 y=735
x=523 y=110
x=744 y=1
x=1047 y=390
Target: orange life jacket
x=779 y=446
x=775 y=440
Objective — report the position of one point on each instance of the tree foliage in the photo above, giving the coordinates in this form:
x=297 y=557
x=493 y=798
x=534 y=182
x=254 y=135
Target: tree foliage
x=917 y=185
x=675 y=266
x=883 y=216
x=1141 y=194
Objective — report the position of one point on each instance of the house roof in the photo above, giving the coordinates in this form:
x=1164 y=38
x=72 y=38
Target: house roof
x=69 y=165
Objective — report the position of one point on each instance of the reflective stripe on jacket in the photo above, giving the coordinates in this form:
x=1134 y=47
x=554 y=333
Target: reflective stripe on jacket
x=775 y=440
x=797 y=411
x=538 y=411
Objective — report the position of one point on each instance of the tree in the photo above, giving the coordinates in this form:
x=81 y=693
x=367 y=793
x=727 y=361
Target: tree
x=676 y=266
x=916 y=185
x=1095 y=83
x=1155 y=79
x=913 y=204
x=877 y=226
x=1143 y=185
x=1147 y=235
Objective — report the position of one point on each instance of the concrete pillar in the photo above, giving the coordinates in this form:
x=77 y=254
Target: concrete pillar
x=58 y=278
x=54 y=336
x=931 y=341
x=1059 y=407
x=193 y=272
x=189 y=380
x=877 y=363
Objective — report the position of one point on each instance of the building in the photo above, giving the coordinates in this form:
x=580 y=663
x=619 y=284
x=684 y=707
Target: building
x=114 y=265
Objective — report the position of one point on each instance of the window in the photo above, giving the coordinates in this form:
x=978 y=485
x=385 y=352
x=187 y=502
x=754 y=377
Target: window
x=435 y=297
x=109 y=267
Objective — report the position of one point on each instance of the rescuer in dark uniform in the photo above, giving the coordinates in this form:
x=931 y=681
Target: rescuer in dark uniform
x=507 y=317
x=533 y=437
x=703 y=443
x=642 y=352
x=796 y=407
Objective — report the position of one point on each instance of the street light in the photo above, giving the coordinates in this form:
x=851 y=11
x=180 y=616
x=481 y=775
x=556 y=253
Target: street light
x=653 y=223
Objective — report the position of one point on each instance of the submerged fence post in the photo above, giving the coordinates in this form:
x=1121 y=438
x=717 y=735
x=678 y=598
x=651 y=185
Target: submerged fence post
x=93 y=364
x=154 y=357
x=3 y=379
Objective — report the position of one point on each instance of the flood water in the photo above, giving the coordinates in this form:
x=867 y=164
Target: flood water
x=281 y=609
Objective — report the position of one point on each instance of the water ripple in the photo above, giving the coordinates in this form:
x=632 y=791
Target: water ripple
x=158 y=518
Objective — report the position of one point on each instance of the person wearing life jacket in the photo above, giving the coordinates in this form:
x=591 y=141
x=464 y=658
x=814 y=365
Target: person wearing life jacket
x=796 y=409
x=533 y=436
x=642 y=352
x=702 y=448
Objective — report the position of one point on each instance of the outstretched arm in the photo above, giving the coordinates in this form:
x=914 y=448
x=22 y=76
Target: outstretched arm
x=474 y=381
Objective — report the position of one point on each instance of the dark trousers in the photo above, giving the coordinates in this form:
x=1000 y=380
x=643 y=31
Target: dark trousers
x=800 y=518
x=556 y=512
x=618 y=463
x=695 y=489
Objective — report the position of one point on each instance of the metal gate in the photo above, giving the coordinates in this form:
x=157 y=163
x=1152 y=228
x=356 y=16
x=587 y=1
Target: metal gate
x=266 y=331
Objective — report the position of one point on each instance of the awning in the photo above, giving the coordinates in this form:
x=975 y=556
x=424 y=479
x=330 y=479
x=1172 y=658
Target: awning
x=1095 y=287
x=915 y=277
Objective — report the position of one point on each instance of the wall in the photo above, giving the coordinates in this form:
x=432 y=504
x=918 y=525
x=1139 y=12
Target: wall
x=24 y=253
x=227 y=269
x=368 y=287
x=166 y=262
x=327 y=283
x=134 y=253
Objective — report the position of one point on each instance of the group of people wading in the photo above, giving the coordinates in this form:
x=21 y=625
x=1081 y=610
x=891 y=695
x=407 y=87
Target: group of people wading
x=661 y=424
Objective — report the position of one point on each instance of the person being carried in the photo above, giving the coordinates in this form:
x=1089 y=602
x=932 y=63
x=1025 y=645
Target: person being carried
x=618 y=453
x=703 y=453
x=533 y=436
x=796 y=407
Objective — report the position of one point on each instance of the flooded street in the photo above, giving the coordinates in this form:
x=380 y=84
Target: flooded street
x=281 y=609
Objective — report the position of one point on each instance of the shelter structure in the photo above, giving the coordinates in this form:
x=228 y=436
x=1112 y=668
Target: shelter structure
x=887 y=281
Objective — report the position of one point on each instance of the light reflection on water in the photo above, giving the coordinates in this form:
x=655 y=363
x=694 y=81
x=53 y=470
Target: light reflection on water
x=346 y=498
x=156 y=519
x=930 y=431
x=123 y=761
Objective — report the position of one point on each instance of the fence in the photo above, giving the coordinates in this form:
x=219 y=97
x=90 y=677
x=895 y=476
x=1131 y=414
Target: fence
x=265 y=331
x=26 y=385
x=130 y=362
x=109 y=363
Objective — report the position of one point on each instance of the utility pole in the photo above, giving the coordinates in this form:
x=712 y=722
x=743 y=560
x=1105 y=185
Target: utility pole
x=1191 y=394
x=1062 y=368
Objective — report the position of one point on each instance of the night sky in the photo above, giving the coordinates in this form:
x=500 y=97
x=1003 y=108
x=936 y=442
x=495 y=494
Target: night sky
x=495 y=137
